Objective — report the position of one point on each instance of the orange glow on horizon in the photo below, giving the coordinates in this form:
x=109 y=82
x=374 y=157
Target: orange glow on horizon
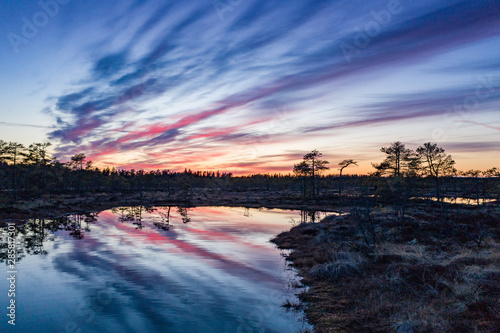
x=463 y=163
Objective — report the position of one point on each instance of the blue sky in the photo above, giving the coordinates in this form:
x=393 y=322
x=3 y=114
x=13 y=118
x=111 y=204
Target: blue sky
x=250 y=86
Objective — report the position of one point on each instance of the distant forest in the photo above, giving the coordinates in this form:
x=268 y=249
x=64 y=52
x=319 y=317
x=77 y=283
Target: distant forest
x=428 y=172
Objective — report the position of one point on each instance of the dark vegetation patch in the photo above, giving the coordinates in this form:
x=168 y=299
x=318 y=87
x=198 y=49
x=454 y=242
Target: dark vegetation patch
x=423 y=273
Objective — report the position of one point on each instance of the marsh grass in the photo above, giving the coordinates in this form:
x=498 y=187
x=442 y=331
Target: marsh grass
x=341 y=264
x=423 y=275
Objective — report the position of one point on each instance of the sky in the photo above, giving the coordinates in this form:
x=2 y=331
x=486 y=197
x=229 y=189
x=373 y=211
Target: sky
x=250 y=86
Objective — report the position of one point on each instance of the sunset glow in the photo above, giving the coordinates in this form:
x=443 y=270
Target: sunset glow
x=250 y=86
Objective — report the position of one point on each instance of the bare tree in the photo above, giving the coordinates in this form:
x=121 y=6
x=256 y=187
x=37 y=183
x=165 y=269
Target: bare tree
x=344 y=164
x=399 y=160
x=37 y=153
x=78 y=160
x=311 y=165
x=436 y=163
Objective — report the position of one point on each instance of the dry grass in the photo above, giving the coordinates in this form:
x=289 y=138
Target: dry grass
x=420 y=277
x=404 y=252
x=341 y=264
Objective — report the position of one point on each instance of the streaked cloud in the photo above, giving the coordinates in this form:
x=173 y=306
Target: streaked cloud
x=174 y=85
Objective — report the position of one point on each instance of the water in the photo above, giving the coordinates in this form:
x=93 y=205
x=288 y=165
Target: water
x=133 y=269
x=461 y=201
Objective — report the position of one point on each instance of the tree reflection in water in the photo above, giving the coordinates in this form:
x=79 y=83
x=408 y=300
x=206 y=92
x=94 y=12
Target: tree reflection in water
x=75 y=227
x=133 y=214
x=101 y=263
x=309 y=216
x=183 y=211
x=164 y=220
x=30 y=236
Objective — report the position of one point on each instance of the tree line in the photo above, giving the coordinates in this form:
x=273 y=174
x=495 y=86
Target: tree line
x=403 y=169
x=32 y=171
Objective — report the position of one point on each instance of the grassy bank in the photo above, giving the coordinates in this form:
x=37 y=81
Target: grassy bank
x=57 y=205
x=374 y=272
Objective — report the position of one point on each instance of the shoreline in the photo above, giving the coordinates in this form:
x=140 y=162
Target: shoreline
x=56 y=206
x=53 y=206
x=414 y=275
x=368 y=270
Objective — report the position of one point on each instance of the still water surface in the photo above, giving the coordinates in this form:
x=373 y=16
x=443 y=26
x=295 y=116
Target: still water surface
x=137 y=269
